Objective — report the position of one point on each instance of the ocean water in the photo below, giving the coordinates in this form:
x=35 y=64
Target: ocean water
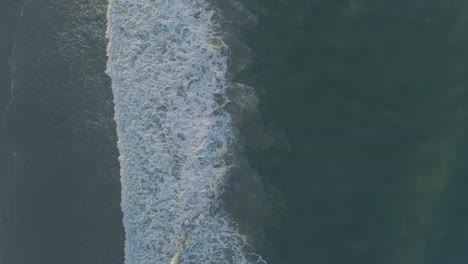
x=234 y=131
x=362 y=129
x=9 y=13
x=61 y=138
x=169 y=82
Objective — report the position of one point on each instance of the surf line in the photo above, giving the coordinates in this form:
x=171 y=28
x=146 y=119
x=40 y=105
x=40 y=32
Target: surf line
x=168 y=69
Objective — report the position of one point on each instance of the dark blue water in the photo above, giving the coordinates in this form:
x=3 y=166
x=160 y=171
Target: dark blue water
x=61 y=138
x=9 y=14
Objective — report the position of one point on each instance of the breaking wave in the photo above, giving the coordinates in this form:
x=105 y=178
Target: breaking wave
x=168 y=64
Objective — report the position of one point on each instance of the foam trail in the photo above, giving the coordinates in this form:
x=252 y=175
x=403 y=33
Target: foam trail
x=12 y=66
x=168 y=74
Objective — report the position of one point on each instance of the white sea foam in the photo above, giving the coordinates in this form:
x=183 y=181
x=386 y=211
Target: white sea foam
x=168 y=72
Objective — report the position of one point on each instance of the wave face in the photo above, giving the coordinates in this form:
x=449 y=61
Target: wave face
x=168 y=68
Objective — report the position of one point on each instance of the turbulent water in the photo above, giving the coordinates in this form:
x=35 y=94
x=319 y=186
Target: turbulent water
x=168 y=65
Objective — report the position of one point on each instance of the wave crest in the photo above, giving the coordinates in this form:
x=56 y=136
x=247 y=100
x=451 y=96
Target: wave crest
x=168 y=68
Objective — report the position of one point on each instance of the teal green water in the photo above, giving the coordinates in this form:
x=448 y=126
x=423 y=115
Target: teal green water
x=366 y=106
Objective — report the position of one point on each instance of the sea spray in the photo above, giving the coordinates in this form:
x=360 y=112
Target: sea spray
x=168 y=66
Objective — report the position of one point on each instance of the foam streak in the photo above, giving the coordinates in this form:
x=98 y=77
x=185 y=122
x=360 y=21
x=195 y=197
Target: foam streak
x=13 y=67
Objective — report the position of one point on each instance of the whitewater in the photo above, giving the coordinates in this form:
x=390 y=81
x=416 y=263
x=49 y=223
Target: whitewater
x=168 y=64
